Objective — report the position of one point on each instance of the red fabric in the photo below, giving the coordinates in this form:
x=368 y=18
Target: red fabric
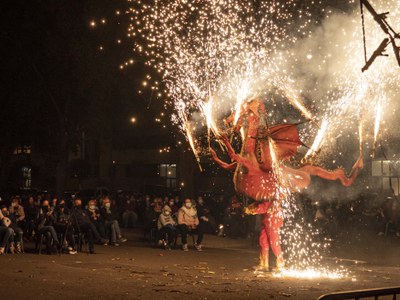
x=286 y=138
x=269 y=235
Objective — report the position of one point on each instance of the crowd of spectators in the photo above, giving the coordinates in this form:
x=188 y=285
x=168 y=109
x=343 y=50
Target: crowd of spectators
x=67 y=224
x=62 y=225
x=363 y=214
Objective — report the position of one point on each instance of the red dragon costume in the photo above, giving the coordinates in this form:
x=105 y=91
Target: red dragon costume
x=255 y=174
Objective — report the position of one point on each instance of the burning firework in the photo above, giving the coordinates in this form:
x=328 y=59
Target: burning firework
x=377 y=124
x=296 y=102
x=319 y=139
x=311 y=274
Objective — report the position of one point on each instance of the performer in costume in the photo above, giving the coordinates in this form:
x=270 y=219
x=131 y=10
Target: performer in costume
x=272 y=221
x=256 y=166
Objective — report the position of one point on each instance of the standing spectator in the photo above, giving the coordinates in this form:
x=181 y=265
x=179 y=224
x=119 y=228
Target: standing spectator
x=96 y=218
x=166 y=228
x=111 y=223
x=234 y=219
x=129 y=215
x=188 y=222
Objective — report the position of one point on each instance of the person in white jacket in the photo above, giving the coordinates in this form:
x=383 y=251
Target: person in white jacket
x=166 y=228
x=188 y=221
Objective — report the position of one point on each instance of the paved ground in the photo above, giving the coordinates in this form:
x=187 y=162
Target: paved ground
x=137 y=270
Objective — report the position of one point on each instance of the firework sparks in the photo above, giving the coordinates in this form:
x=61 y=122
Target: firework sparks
x=274 y=158
x=360 y=136
x=319 y=139
x=378 y=117
x=296 y=102
x=208 y=115
x=188 y=132
x=192 y=145
x=310 y=273
x=241 y=96
x=213 y=55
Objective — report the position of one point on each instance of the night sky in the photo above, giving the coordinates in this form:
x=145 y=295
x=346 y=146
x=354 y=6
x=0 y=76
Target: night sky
x=56 y=80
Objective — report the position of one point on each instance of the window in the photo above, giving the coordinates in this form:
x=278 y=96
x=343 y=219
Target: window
x=385 y=168
x=169 y=173
x=389 y=173
x=22 y=150
x=27 y=178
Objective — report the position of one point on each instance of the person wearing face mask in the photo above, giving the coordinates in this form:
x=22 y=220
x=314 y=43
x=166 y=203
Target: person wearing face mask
x=189 y=222
x=96 y=218
x=17 y=210
x=173 y=206
x=83 y=224
x=15 y=238
x=111 y=223
x=166 y=228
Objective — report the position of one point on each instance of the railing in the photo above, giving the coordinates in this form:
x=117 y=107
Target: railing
x=392 y=291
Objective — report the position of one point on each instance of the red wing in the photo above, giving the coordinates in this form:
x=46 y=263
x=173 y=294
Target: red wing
x=286 y=138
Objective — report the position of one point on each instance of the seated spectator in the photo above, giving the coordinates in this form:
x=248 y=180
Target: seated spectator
x=174 y=207
x=18 y=212
x=54 y=203
x=44 y=225
x=31 y=211
x=189 y=222
x=207 y=221
x=96 y=218
x=111 y=222
x=166 y=228
x=83 y=224
x=157 y=205
x=150 y=218
x=5 y=232
x=64 y=228
x=129 y=215
x=16 y=238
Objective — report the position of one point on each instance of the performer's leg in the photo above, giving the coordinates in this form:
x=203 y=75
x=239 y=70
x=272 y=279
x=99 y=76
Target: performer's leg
x=275 y=242
x=264 y=248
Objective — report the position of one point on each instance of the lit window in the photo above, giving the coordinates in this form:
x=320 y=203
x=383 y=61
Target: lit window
x=168 y=172
x=22 y=150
